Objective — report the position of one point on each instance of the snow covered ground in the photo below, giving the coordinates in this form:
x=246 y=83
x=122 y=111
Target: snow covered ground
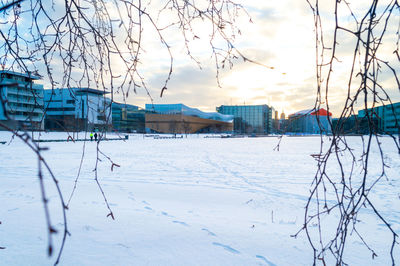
x=189 y=201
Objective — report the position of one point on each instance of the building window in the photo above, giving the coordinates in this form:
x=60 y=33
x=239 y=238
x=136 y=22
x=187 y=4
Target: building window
x=61 y=109
x=101 y=117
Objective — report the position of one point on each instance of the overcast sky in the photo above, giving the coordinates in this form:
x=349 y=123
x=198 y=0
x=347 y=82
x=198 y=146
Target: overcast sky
x=281 y=36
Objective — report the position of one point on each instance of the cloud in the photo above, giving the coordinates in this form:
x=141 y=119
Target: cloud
x=281 y=36
x=188 y=85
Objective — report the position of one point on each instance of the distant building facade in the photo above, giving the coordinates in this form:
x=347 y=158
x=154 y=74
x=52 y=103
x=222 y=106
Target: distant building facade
x=347 y=125
x=354 y=125
x=77 y=109
x=250 y=118
x=128 y=118
x=310 y=122
x=381 y=119
x=387 y=118
x=275 y=122
x=21 y=101
x=179 y=118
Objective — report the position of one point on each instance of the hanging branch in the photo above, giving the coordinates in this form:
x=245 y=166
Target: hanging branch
x=348 y=192
x=101 y=44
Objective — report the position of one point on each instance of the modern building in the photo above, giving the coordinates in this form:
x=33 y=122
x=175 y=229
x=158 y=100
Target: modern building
x=128 y=118
x=21 y=101
x=283 y=124
x=387 y=116
x=179 y=118
x=250 y=118
x=354 y=125
x=275 y=122
x=77 y=109
x=346 y=125
x=310 y=121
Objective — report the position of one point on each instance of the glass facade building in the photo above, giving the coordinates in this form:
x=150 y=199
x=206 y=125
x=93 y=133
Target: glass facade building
x=249 y=118
x=387 y=117
x=128 y=118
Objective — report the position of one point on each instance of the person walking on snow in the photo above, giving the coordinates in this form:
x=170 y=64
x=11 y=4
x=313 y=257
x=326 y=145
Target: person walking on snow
x=95 y=136
x=91 y=136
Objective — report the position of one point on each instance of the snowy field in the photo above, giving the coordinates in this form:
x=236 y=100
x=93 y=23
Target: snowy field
x=189 y=201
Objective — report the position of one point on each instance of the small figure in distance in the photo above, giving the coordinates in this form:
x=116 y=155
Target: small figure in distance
x=95 y=136
x=91 y=136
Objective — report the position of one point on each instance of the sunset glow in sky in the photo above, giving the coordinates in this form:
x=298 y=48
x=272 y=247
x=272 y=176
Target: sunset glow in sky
x=276 y=38
x=282 y=36
x=277 y=34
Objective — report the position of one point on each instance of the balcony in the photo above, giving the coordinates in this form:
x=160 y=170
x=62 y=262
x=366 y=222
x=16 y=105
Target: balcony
x=24 y=99
x=29 y=109
x=25 y=118
x=23 y=92
x=22 y=84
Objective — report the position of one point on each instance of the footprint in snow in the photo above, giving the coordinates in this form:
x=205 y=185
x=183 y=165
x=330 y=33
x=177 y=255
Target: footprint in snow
x=166 y=214
x=122 y=245
x=208 y=231
x=60 y=225
x=179 y=222
x=226 y=247
x=269 y=263
x=148 y=208
x=131 y=196
x=90 y=228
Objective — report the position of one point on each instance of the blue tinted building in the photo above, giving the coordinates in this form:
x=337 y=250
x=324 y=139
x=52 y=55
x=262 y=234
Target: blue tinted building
x=128 y=118
x=387 y=117
x=310 y=121
x=21 y=100
x=249 y=118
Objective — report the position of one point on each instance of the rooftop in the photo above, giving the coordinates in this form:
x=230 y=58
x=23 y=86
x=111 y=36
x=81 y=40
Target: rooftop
x=92 y=91
x=75 y=90
x=180 y=108
x=320 y=112
x=26 y=75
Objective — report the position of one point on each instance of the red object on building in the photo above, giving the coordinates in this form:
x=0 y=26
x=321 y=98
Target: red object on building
x=321 y=112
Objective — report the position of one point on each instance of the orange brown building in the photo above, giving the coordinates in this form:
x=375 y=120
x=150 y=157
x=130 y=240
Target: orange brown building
x=181 y=119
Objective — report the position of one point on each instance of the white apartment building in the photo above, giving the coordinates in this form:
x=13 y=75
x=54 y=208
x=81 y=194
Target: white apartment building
x=21 y=101
x=77 y=109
